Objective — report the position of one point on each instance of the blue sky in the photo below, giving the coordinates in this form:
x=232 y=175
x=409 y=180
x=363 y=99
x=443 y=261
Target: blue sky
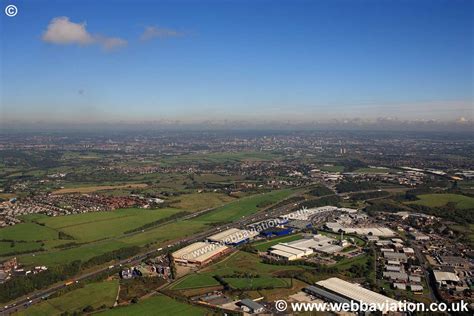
x=250 y=60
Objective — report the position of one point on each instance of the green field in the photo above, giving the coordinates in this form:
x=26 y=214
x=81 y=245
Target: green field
x=263 y=246
x=28 y=232
x=221 y=157
x=437 y=200
x=200 y=201
x=18 y=247
x=372 y=170
x=158 y=305
x=93 y=294
x=256 y=283
x=91 y=222
x=195 y=281
x=244 y=206
x=332 y=168
x=238 y=262
x=99 y=225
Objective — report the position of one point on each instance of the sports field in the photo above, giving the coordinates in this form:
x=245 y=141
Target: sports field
x=437 y=200
x=93 y=294
x=157 y=305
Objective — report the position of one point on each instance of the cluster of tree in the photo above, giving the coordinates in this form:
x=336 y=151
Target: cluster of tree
x=223 y=282
x=67 y=245
x=172 y=265
x=118 y=254
x=318 y=268
x=360 y=270
x=369 y=195
x=353 y=186
x=157 y=222
x=241 y=275
x=19 y=286
x=353 y=164
x=138 y=287
x=65 y=236
x=384 y=206
x=249 y=248
x=327 y=200
x=288 y=201
x=321 y=191
x=449 y=212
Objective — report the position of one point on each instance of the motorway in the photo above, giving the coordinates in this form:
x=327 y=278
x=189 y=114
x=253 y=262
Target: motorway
x=270 y=211
x=36 y=297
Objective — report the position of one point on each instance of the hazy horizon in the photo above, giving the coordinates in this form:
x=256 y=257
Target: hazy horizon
x=251 y=62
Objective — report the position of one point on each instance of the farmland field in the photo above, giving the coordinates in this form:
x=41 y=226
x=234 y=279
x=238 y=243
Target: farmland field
x=195 y=281
x=244 y=206
x=6 y=247
x=99 y=225
x=373 y=170
x=93 y=294
x=28 y=232
x=332 y=168
x=82 y=253
x=438 y=200
x=157 y=236
x=201 y=201
x=157 y=305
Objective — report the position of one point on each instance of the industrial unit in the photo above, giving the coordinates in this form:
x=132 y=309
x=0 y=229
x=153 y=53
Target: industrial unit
x=233 y=236
x=199 y=253
x=299 y=248
x=354 y=292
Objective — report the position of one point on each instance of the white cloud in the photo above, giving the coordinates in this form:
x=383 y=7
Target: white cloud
x=64 y=32
x=111 y=43
x=151 y=32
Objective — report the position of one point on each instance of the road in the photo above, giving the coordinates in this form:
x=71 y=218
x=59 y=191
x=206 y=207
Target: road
x=36 y=297
x=268 y=212
x=425 y=265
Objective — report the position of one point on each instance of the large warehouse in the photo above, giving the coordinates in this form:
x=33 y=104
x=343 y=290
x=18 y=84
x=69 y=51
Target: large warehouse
x=233 y=236
x=199 y=253
x=355 y=292
x=299 y=248
x=289 y=252
x=378 y=231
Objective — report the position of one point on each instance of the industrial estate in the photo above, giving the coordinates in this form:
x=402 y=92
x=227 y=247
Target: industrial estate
x=234 y=227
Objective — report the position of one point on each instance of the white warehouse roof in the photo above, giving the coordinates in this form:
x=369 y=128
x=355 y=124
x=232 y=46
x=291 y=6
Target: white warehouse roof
x=355 y=292
x=233 y=235
x=441 y=276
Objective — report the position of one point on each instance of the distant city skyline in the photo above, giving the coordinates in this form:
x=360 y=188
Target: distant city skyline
x=337 y=62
